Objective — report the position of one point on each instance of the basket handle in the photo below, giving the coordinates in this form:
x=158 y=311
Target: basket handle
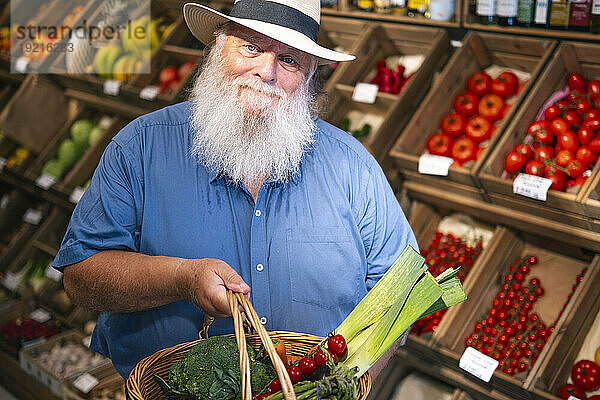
x=236 y=299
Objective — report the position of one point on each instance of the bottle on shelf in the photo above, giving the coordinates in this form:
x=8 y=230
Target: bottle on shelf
x=365 y=5
x=399 y=7
x=525 y=12
x=418 y=8
x=506 y=11
x=441 y=10
x=383 y=6
x=540 y=17
x=559 y=14
x=472 y=14
x=579 y=19
x=595 y=17
x=486 y=11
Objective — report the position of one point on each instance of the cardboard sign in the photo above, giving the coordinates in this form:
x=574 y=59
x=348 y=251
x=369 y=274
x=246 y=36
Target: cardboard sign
x=532 y=186
x=430 y=164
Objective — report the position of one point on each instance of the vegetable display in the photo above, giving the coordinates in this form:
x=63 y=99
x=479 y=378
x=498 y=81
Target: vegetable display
x=466 y=130
x=390 y=80
x=17 y=332
x=564 y=144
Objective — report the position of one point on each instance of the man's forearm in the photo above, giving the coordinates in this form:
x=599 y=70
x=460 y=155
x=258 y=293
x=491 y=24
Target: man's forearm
x=120 y=281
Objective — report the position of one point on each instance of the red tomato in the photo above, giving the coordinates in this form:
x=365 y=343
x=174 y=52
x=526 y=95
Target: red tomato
x=573 y=96
x=320 y=358
x=479 y=84
x=440 y=144
x=295 y=373
x=275 y=385
x=571 y=390
x=167 y=75
x=479 y=129
x=563 y=105
x=593 y=124
x=568 y=141
x=337 y=344
x=453 y=124
x=307 y=365
x=558 y=180
x=586 y=374
x=466 y=104
x=333 y=355
x=573 y=118
x=552 y=112
x=585 y=135
x=464 y=150
x=576 y=168
x=524 y=149
x=490 y=107
x=560 y=125
x=534 y=168
x=583 y=105
x=504 y=86
x=542 y=131
x=563 y=157
x=185 y=69
x=544 y=153
x=585 y=155
x=514 y=162
x=577 y=82
x=594 y=145
x=592 y=114
x=594 y=86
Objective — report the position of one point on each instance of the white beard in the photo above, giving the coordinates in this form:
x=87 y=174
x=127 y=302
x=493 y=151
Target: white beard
x=264 y=141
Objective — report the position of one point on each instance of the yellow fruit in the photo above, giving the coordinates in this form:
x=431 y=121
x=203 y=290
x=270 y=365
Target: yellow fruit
x=597 y=356
x=167 y=31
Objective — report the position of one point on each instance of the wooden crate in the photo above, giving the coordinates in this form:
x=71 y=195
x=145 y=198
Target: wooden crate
x=591 y=202
x=570 y=57
x=557 y=269
x=108 y=379
x=379 y=42
x=576 y=340
x=479 y=51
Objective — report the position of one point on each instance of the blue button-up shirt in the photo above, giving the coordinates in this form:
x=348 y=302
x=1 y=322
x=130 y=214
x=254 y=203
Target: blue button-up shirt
x=310 y=248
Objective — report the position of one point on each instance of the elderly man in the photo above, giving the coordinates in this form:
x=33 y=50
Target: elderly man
x=243 y=188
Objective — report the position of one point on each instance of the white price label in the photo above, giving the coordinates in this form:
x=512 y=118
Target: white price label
x=456 y=43
x=76 y=195
x=53 y=274
x=21 y=65
x=149 y=93
x=32 y=216
x=11 y=281
x=532 y=186
x=40 y=315
x=4 y=201
x=85 y=382
x=2 y=163
x=105 y=122
x=434 y=165
x=86 y=341
x=45 y=181
x=365 y=93
x=478 y=364
x=112 y=87
x=573 y=398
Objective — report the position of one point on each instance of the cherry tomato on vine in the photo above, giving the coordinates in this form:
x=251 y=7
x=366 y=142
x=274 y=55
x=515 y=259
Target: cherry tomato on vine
x=571 y=390
x=594 y=86
x=568 y=141
x=585 y=135
x=307 y=365
x=524 y=149
x=542 y=131
x=534 y=167
x=586 y=156
x=337 y=344
x=563 y=157
x=295 y=373
x=577 y=82
x=514 y=162
x=320 y=358
x=275 y=385
x=552 y=112
x=576 y=168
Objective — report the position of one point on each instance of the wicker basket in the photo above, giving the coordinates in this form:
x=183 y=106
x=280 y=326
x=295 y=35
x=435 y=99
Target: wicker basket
x=142 y=386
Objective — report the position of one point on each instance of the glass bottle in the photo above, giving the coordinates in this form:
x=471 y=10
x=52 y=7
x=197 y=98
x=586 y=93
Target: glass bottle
x=365 y=5
x=486 y=11
x=559 y=14
x=399 y=7
x=418 y=8
x=595 y=17
x=540 y=17
x=506 y=11
x=579 y=19
x=383 y=6
x=525 y=12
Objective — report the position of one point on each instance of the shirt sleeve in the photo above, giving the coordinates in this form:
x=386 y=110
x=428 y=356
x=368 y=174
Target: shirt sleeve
x=383 y=226
x=107 y=216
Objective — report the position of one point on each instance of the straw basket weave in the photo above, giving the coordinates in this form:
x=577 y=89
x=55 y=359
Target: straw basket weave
x=141 y=384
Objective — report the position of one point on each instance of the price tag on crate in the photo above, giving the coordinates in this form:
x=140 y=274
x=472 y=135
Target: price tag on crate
x=45 y=181
x=434 y=165
x=456 y=43
x=86 y=341
x=32 y=216
x=4 y=201
x=105 y=122
x=76 y=195
x=11 y=281
x=365 y=93
x=53 y=274
x=40 y=315
x=149 y=93
x=85 y=383
x=21 y=65
x=532 y=186
x=478 y=364
x=2 y=164
x=112 y=87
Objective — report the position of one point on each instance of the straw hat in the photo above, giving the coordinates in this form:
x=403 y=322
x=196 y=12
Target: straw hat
x=293 y=22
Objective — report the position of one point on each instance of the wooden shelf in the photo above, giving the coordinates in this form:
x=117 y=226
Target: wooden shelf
x=547 y=33
x=19 y=383
x=388 y=18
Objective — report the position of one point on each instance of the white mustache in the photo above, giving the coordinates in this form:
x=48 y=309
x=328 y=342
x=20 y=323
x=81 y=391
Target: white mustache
x=261 y=88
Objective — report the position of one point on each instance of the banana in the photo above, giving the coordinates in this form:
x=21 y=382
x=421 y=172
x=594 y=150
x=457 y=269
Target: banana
x=119 y=69
x=112 y=57
x=154 y=36
x=99 y=61
x=143 y=42
x=167 y=31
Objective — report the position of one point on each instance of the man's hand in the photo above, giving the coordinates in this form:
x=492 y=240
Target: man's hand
x=208 y=279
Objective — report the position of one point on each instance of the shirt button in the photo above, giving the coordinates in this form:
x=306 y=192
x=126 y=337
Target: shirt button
x=263 y=320
x=260 y=267
x=257 y=213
